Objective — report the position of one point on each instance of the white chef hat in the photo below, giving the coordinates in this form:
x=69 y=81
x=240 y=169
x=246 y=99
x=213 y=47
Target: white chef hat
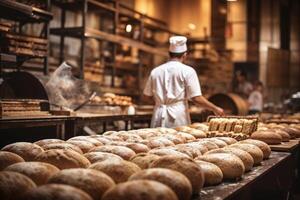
x=178 y=44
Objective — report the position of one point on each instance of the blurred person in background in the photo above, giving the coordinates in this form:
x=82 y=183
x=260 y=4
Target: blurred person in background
x=255 y=99
x=242 y=86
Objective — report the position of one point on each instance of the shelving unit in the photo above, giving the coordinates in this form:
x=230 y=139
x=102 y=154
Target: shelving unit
x=19 y=47
x=139 y=38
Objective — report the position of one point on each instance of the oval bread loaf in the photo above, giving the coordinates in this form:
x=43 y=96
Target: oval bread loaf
x=253 y=150
x=144 y=160
x=264 y=147
x=101 y=156
x=121 y=151
x=212 y=173
x=26 y=150
x=269 y=137
x=9 y=158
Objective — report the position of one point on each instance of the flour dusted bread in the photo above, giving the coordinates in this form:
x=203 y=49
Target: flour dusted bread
x=231 y=166
x=93 y=182
x=212 y=173
x=85 y=146
x=166 y=151
x=243 y=155
x=62 y=146
x=218 y=142
x=56 y=192
x=156 y=142
x=42 y=142
x=121 y=151
x=63 y=158
x=119 y=171
x=228 y=140
x=208 y=144
x=184 y=165
x=144 y=160
x=203 y=149
x=92 y=140
x=269 y=137
x=175 y=180
x=253 y=150
x=188 y=150
x=264 y=147
x=39 y=172
x=13 y=185
x=26 y=150
x=140 y=190
x=9 y=158
x=285 y=136
x=101 y=156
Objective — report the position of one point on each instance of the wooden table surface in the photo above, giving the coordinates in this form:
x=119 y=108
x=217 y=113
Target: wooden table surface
x=228 y=190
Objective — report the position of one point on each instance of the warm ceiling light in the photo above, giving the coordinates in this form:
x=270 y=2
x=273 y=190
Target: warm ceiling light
x=128 y=28
x=192 y=26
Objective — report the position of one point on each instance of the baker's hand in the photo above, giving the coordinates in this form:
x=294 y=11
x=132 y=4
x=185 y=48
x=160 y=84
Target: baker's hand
x=219 y=111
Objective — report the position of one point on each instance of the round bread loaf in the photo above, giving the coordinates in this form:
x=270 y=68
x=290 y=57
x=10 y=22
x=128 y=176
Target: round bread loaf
x=102 y=139
x=13 y=185
x=243 y=155
x=212 y=173
x=269 y=137
x=140 y=190
x=119 y=171
x=197 y=133
x=121 y=151
x=188 y=150
x=26 y=150
x=186 y=166
x=93 y=182
x=101 y=156
x=156 y=142
x=42 y=142
x=63 y=158
x=231 y=166
x=9 y=158
x=144 y=160
x=86 y=138
x=264 y=147
x=175 y=180
x=167 y=151
x=228 y=140
x=208 y=144
x=294 y=131
x=56 y=192
x=218 y=142
x=138 y=148
x=253 y=150
x=85 y=146
x=39 y=172
x=186 y=136
x=285 y=136
x=203 y=149
x=176 y=139
x=62 y=146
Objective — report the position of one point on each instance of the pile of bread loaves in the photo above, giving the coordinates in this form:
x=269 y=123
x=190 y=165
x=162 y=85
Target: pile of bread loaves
x=273 y=133
x=142 y=164
x=113 y=100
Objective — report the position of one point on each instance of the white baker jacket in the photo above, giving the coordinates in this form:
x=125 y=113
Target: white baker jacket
x=172 y=84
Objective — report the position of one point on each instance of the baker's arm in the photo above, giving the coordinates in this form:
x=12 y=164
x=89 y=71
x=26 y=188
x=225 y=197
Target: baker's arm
x=204 y=103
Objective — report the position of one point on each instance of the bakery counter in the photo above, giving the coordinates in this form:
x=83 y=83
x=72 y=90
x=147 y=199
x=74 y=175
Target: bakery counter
x=270 y=180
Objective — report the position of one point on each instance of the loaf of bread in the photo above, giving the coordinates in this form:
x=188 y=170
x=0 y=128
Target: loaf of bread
x=186 y=166
x=175 y=180
x=119 y=171
x=243 y=155
x=198 y=146
x=200 y=126
x=13 y=185
x=92 y=140
x=9 y=158
x=104 y=140
x=121 y=151
x=264 y=147
x=196 y=133
x=285 y=136
x=176 y=139
x=166 y=151
x=212 y=173
x=93 y=182
x=26 y=150
x=140 y=190
x=208 y=144
x=269 y=137
x=138 y=148
x=85 y=146
x=42 y=142
x=188 y=150
x=228 y=140
x=63 y=158
x=56 y=192
x=62 y=146
x=188 y=137
x=218 y=142
x=144 y=160
x=156 y=142
x=231 y=166
x=253 y=150
x=39 y=172
x=101 y=156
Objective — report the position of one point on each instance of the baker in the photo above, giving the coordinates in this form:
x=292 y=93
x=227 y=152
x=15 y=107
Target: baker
x=171 y=85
